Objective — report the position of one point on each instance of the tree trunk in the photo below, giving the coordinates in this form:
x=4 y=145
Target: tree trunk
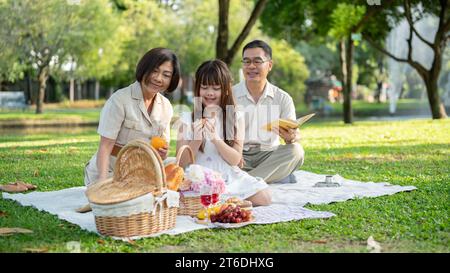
x=222 y=34
x=431 y=83
x=345 y=58
x=348 y=112
x=257 y=11
x=84 y=90
x=110 y=92
x=222 y=51
x=436 y=106
x=97 y=90
x=378 y=92
x=43 y=76
x=429 y=76
x=28 y=91
x=379 y=81
x=78 y=83
x=72 y=90
x=342 y=62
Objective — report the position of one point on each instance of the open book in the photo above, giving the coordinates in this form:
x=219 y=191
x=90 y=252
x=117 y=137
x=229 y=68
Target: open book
x=287 y=123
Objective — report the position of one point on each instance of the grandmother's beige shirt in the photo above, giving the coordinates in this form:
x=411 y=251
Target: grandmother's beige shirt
x=124 y=117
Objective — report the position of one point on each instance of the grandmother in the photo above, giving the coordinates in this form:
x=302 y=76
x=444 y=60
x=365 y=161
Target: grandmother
x=138 y=111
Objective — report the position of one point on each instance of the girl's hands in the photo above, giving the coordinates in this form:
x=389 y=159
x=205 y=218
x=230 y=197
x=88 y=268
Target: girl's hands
x=198 y=130
x=210 y=130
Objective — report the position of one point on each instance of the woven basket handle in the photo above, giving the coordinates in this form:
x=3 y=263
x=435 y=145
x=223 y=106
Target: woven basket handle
x=185 y=156
x=154 y=156
x=161 y=165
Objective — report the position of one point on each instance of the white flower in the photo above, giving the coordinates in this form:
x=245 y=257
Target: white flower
x=195 y=173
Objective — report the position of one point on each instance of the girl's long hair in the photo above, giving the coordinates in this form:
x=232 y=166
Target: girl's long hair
x=216 y=72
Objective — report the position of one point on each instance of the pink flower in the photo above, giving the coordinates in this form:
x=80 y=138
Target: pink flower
x=200 y=176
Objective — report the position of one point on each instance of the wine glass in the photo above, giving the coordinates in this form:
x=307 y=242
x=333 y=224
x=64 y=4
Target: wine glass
x=206 y=198
x=214 y=197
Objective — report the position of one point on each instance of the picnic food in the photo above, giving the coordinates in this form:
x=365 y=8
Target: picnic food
x=243 y=204
x=213 y=116
x=232 y=214
x=211 y=211
x=158 y=142
x=174 y=176
x=185 y=184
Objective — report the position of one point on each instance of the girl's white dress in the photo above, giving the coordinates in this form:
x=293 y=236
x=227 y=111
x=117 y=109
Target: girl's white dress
x=238 y=182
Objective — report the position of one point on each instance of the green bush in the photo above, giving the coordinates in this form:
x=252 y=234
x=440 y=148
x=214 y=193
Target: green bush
x=289 y=70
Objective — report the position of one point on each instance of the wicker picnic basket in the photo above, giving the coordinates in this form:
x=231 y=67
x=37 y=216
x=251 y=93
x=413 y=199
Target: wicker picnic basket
x=117 y=203
x=189 y=205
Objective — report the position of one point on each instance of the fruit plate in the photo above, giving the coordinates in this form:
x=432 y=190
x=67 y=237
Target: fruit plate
x=233 y=225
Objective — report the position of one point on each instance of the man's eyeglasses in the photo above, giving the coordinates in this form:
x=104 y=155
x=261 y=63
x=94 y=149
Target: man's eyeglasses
x=256 y=61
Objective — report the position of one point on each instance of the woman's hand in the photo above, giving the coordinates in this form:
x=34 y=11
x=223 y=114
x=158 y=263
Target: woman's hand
x=163 y=152
x=104 y=151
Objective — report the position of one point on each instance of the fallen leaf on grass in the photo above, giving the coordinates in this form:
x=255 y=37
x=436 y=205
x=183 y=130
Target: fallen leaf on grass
x=319 y=242
x=131 y=242
x=35 y=250
x=11 y=231
x=3 y=214
x=18 y=186
x=101 y=242
x=13 y=187
x=373 y=246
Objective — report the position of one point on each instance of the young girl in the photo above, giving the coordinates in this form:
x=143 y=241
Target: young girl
x=214 y=131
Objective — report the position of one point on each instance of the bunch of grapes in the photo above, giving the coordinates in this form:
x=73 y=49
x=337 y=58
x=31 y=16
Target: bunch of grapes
x=232 y=214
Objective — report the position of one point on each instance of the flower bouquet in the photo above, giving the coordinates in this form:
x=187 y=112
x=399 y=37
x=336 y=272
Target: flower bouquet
x=199 y=177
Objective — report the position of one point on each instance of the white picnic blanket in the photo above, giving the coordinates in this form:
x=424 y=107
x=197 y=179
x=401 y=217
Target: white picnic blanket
x=288 y=202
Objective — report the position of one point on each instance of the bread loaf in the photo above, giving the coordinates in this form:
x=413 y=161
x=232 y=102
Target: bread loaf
x=174 y=176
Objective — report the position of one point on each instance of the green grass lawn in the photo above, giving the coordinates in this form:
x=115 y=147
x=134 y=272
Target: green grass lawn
x=402 y=153
x=78 y=112
x=365 y=109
